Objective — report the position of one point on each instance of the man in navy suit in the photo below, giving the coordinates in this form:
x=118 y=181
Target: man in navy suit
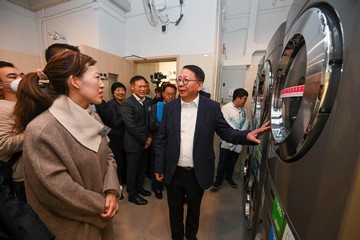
x=184 y=149
x=137 y=138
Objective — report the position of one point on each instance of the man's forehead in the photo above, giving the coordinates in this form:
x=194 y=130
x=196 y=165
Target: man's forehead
x=140 y=82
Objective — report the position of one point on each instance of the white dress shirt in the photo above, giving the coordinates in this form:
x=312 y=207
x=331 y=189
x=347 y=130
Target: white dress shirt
x=237 y=118
x=140 y=100
x=187 y=132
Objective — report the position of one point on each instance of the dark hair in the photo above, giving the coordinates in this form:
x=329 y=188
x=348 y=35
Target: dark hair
x=116 y=85
x=240 y=92
x=6 y=64
x=169 y=85
x=58 y=47
x=199 y=73
x=137 y=78
x=33 y=99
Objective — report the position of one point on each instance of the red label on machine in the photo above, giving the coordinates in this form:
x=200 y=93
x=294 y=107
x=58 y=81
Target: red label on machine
x=296 y=91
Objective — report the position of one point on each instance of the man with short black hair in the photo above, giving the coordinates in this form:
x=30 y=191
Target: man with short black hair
x=236 y=116
x=58 y=47
x=137 y=139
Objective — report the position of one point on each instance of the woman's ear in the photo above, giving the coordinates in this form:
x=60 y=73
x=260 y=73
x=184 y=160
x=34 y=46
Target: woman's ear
x=74 y=82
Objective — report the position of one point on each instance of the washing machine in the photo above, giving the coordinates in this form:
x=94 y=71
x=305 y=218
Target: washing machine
x=312 y=189
x=262 y=92
x=249 y=169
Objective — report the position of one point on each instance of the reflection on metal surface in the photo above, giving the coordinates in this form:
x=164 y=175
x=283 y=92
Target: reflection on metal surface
x=265 y=92
x=301 y=101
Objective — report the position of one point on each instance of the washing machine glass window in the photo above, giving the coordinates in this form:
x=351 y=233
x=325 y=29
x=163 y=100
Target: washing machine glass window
x=289 y=92
x=265 y=91
x=254 y=103
x=306 y=83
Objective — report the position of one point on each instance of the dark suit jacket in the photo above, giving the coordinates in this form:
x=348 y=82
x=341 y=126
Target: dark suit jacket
x=209 y=120
x=136 y=120
x=117 y=124
x=105 y=113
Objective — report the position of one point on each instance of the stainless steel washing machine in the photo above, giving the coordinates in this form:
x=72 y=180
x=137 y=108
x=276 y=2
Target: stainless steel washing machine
x=261 y=97
x=312 y=190
x=250 y=168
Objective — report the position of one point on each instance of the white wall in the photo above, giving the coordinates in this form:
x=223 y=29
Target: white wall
x=98 y=24
x=112 y=29
x=18 y=29
x=102 y=25
x=195 y=33
x=248 y=26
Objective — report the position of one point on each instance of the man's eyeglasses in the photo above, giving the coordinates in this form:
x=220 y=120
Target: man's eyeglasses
x=169 y=94
x=184 y=81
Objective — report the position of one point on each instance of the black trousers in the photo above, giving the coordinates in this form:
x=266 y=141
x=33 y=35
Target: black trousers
x=184 y=184
x=117 y=147
x=136 y=167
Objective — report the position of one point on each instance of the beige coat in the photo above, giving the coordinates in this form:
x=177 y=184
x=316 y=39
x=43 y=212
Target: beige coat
x=65 y=181
x=10 y=142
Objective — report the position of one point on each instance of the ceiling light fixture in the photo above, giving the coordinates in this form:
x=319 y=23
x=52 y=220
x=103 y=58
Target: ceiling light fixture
x=56 y=36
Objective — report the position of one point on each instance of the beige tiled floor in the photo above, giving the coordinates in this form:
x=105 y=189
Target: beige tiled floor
x=221 y=216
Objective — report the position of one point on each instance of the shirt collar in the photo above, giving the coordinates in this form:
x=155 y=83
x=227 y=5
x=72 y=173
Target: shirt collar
x=139 y=99
x=195 y=102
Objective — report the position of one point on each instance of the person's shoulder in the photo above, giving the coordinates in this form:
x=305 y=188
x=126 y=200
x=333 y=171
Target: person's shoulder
x=173 y=102
x=6 y=107
x=227 y=106
x=208 y=101
x=44 y=121
x=111 y=102
x=130 y=99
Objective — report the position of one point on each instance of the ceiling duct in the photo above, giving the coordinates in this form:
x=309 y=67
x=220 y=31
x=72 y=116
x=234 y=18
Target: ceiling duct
x=122 y=4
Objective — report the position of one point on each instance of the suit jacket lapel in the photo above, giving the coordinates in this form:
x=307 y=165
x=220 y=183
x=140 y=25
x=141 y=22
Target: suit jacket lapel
x=200 y=115
x=177 y=120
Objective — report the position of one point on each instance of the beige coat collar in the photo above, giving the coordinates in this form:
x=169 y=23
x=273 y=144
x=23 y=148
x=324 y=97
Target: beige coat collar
x=78 y=121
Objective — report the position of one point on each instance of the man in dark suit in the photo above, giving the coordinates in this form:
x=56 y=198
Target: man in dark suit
x=135 y=114
x=184 y=149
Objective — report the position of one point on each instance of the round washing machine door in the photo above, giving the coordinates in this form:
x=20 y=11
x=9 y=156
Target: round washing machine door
x=306 y=82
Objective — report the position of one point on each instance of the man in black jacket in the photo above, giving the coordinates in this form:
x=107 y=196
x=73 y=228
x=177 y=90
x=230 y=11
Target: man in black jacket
x=135 y=114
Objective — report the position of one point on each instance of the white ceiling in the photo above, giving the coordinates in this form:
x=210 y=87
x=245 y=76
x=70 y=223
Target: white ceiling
x=36 y=5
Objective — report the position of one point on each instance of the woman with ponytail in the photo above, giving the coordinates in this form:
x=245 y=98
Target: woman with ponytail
x=70 y=172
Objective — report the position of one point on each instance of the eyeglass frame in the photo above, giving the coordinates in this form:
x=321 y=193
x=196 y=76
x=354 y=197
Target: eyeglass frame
x=169 y=94
x=185 y=81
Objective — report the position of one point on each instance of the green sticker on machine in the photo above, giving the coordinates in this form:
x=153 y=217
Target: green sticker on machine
x=278 y=217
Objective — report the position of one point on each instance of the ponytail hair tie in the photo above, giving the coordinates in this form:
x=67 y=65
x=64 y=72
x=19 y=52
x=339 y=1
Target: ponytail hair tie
x=43 y=79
